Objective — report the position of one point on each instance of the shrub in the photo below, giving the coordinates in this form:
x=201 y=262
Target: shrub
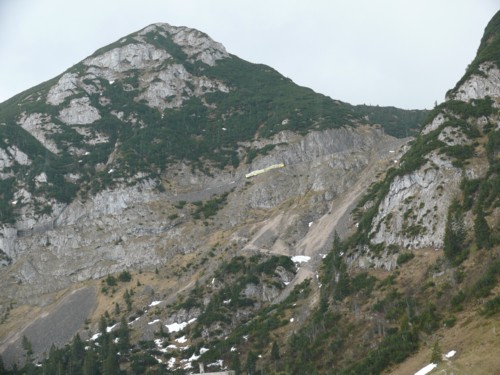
x=404 y=258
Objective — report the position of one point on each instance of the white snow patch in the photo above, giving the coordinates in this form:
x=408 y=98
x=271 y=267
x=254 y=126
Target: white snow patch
x=135 y=320
x=109 y=329
x=176 y=327
x=154 y=303
x=171 y=363
x=233 y=349
x=450 y=354
x=219 y=363
x=226 y=302
x=181 y=340
x=301 y=259
x=310 y=224
x=96 y=336
x=153 y=322
x=426 y=369
x=291 y=320
x=204 y=350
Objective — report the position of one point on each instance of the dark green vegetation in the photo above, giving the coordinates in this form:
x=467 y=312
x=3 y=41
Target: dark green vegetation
x=203 y=133
x=488 y=50
x=237 y=314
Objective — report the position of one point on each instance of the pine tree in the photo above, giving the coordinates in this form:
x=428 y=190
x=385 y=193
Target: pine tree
x=275 y=352
x=110 y=365
x=482 y=230
x=77 y=355
x=26 y=344
x=454 y=235
x=128 y=300
x=436 y=355
x=90 y=366
x=251 y=365
x=123 y=336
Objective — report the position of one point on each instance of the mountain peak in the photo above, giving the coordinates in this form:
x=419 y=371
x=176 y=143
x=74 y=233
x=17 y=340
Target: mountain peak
x=483 y=75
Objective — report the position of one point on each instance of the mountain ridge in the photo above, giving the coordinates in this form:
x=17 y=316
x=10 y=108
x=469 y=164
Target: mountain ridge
x=235 y=262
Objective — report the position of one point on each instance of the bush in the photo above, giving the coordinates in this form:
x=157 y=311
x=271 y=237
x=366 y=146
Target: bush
x=111 y=280
x=404 y=258
x=125 y=276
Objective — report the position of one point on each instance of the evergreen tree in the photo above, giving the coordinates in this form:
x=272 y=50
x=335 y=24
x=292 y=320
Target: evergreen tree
x=77 y=354
x=251 y=365
x=117 y=308
x=2 y=367
x=454 y=235
x=482 y=230
x=128 y=300
x=123 y=336
x=90 y=365
x=26 y=345
x=436 y=355
x=275 y=352
x=110 y=365
x=236 y=364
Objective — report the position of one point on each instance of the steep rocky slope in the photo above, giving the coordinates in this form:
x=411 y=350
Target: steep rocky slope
x=94 y=161
x=133 y=164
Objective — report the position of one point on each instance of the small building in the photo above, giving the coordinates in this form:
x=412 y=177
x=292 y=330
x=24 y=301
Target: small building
x=202 y=372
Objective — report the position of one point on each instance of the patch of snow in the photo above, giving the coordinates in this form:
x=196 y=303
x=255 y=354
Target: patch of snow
x=204 y=350
x=286 y=282
x=310 y=224
x=426 y=369
x=291 y=320
x=109 y=329
x=154 y=303
x=245 y=337
x=135 y=320
x=450 y=354
x=301 y=259
x=224 y=129
x=154 y=321
x=176 y=327
x=219 y=363
x=226 y=302
x=172 y=346
x=96 y=336
x=233 y=349
x=181 y=340
x=171 y=363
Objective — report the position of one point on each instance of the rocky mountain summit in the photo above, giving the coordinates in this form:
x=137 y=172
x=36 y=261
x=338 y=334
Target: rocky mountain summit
x=204 y=193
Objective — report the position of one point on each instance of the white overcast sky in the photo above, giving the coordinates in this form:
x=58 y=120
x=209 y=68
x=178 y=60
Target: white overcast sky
x=404 y=53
